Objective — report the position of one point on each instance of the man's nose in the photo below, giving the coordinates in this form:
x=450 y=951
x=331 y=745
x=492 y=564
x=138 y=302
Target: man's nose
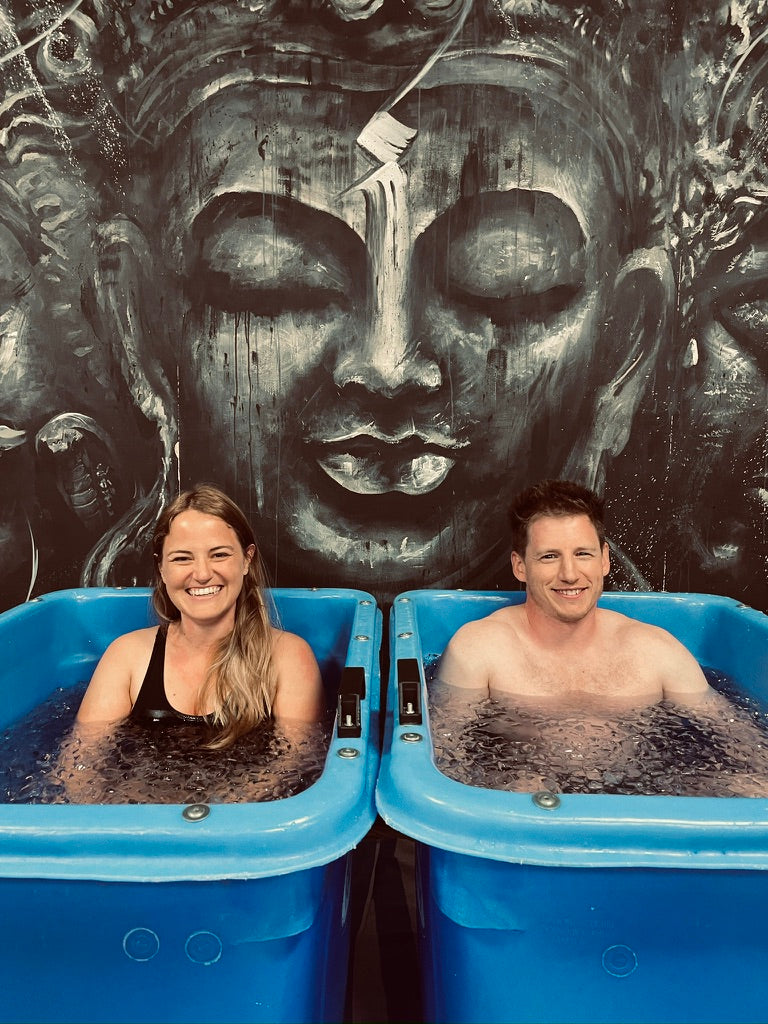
x=388 y=356
x=569 y=570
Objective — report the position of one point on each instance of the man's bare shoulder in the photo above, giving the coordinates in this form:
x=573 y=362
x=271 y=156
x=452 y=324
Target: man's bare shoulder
x=471 y=657
x=633 y=629
x=678 y=670
x=490 y=627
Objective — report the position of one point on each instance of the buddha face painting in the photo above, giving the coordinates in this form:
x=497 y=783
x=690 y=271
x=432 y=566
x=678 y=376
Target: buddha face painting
x=373 y=360
x=369 y=303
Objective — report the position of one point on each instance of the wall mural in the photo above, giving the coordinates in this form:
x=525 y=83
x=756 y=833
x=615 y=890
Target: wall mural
x=372 y=266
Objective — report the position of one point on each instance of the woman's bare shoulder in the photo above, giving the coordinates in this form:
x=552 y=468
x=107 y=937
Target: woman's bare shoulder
x=137 y=641
x=290 y=647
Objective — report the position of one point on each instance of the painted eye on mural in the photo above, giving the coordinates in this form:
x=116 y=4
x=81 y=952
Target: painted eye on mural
x=268 y=255
x=514 y=254
x=743 y=312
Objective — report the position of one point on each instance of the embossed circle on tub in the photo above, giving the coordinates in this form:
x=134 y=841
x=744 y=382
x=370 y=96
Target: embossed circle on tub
x=203 y=948
x=620 y=961
x=141 y=944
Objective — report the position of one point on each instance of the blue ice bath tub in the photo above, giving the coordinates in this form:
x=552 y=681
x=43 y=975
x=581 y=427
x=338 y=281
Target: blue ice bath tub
x=604 y=908
x=134 y=913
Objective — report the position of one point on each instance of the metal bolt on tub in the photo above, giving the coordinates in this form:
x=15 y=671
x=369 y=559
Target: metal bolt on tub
x=549 y=801
x=196 y=812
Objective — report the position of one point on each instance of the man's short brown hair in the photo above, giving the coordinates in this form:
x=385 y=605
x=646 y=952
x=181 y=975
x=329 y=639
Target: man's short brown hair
x=553 y=498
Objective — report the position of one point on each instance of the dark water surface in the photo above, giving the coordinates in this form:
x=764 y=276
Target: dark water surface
x=662 y=749
x=43 y=761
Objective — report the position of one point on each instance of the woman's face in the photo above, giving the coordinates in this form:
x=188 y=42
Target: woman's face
x=373 y=372
x=203 y=566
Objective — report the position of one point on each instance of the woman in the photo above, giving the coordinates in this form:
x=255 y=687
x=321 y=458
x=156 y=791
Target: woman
x=216 y=657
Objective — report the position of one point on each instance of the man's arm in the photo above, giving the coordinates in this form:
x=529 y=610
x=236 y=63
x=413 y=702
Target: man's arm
x=463 y=663
x=682 y=679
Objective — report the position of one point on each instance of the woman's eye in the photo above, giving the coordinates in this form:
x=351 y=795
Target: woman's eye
x=508 y=254
x=269 y=255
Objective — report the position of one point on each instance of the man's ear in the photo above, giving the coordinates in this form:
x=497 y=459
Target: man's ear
x=606 y=559
x=518 y=567
x=637 y=322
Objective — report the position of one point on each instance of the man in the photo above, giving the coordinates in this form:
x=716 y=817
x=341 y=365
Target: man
x=581 y=666
x=558 y=643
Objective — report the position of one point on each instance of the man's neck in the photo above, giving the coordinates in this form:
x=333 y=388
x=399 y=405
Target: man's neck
x=551 y=632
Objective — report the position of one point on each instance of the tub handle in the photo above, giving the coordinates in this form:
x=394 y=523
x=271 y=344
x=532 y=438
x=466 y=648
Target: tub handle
x=351 y=692
x=409 y=691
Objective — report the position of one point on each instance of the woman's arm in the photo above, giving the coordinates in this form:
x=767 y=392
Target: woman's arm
x=109 y=697
x=299 y=694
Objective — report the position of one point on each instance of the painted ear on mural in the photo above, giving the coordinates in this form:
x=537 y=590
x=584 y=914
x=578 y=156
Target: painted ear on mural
x=634 y=333
x=117 y=304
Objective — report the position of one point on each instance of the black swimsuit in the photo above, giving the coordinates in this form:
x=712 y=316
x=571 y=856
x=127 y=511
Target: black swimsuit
x=152 y=704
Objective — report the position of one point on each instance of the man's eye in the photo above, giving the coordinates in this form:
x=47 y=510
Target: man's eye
x=269 y=255
x=508 y=254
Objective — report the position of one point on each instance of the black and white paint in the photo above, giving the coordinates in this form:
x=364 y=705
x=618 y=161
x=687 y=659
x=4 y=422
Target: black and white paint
x=374 y=267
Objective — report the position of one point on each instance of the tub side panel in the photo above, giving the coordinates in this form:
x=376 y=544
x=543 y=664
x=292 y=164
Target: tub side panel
x=260 y=951
x=590 y=945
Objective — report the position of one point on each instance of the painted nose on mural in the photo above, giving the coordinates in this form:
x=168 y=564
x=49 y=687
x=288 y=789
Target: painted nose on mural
x=388 y=364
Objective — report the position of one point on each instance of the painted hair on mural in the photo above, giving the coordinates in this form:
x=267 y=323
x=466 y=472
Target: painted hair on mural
x=553 y=498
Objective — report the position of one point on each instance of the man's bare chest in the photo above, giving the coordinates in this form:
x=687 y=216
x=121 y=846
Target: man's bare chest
x=554 y=674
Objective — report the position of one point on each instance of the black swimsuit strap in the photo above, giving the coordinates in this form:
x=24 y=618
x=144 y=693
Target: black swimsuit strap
x=152 y=704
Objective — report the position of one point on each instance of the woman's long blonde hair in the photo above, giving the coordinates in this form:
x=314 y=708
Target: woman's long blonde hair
x=241 y=677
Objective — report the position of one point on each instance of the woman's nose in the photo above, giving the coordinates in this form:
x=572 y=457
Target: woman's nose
x=386 y=358
x=202 y=569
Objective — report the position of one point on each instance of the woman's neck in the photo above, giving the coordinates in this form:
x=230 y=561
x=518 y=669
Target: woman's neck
x=201 y=635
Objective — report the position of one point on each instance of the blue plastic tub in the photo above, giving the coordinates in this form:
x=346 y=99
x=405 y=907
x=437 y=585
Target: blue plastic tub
x=605 y=908
x=134 y=913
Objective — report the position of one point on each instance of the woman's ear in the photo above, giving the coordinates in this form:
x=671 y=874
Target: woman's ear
x=250 y=551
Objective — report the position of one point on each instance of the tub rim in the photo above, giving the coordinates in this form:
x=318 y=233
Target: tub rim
x=585 y=830
x=154 y=842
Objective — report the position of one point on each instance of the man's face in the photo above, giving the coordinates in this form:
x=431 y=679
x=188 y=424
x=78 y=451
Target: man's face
x=563 y=567
x=373 y=376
